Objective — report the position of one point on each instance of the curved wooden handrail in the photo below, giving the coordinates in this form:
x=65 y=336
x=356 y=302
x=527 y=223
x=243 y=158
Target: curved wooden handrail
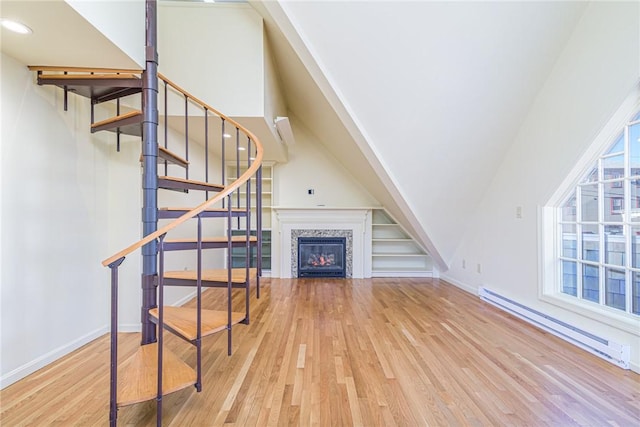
x=203 y=206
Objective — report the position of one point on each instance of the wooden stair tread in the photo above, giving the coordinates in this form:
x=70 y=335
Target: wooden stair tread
x=100 y=87
x=186 y=209
x=165 y=154
x=122 y=76
x=58 y=68
x=183 y=320
x=219 y=239
x=176 y=212
x=138 y=376
x=175 y=182
x=238 y=275
x=115 y=119
x=169 y=156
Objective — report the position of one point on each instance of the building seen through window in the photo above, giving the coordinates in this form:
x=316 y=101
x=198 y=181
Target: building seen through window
x=600 y=228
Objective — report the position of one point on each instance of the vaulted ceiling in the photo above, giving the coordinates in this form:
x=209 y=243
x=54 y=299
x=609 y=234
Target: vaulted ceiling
x=419 y=100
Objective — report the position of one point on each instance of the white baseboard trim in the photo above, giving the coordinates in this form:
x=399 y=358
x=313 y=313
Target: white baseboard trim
x=459 y=284
x=130 y=327
x=618 y=354
x=50 y=357
x=137 y=327
x=401 y=274
x=187 y=298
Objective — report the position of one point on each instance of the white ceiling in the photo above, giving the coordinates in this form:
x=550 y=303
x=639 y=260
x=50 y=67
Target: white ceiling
x=61 y=36
x=436 y=90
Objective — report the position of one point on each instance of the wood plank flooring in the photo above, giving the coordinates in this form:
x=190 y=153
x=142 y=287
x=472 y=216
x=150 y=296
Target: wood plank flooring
x=327 y=352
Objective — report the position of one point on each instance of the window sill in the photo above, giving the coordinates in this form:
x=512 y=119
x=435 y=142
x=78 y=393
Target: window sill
x=628 y=323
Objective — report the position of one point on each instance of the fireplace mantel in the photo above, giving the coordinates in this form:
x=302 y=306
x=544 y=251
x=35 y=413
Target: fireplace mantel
x=286 y=219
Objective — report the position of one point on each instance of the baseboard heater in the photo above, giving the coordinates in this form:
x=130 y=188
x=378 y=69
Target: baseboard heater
x=618 y=354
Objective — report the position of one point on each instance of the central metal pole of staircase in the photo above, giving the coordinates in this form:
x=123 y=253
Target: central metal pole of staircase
x=149 y=171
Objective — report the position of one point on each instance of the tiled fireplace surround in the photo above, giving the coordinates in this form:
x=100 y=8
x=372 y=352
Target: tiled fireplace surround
x=292 y=223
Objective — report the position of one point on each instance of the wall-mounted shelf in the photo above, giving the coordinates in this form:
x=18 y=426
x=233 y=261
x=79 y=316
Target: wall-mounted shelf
x=238 y=255
x=393 y=252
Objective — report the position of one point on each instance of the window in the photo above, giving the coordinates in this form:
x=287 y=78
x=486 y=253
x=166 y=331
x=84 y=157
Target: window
x=599 y=241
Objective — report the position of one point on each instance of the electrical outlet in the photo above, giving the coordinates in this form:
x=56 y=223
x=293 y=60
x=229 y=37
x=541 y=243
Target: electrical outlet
x=479 y=268
x=464 y=263
x=519 y=212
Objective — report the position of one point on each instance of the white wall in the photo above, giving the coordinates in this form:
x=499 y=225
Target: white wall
x=310 y=166
x=121 y=21
x=274 y=104
x=432 y=93
x=596 y=71
x=69 y=200
x=215 y=52
x=54 y=292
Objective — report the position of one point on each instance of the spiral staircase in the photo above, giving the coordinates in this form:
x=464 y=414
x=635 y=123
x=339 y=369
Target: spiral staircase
x=154 y=371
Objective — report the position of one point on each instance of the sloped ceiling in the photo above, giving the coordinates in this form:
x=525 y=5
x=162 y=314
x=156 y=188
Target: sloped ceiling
x=61 y=36
x=421 y=100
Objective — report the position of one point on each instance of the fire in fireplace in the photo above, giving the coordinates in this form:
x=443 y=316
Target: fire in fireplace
x=321 y=257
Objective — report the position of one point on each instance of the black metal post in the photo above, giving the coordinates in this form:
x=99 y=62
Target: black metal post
x=166 y=127
x=160 y=334
x=258 y=229
x=224 y=159
x=118 y=130
x=248 y=234
x=229 y=273
x=150 y=172
x=186 y=133
x=206 y=150
x=113 y=392
x=66 y=95
x=199 y=309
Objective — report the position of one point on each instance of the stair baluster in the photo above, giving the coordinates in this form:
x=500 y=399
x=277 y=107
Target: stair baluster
x=113 y=370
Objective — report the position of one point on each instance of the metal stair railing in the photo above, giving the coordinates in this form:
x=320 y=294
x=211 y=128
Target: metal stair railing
x=255 y=154
x=82 y=81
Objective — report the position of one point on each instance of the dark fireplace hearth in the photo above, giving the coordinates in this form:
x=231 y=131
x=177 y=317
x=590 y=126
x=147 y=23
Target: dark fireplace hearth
x=321 y=256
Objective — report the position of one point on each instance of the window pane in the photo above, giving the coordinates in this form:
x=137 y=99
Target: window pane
x=634 y=148
x=618 y=146
x=613 y=167
x=569 y=241
x=615 y=289
x=569 y=278
x=613 y=201
x=600 y=227
x=635 y=247
x=592 y=176
x=589 y=202
x=614 y=244
x=635 y=293
x=634 y=199
x=569 y=209
x=590 y=243
x=590 y=283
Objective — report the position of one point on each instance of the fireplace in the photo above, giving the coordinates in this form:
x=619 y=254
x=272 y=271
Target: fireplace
x=322 y=257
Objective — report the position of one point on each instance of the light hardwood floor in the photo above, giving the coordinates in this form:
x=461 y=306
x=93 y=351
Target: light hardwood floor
x=382 y=352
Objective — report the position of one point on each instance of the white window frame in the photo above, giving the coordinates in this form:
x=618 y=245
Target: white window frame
x=550 y=246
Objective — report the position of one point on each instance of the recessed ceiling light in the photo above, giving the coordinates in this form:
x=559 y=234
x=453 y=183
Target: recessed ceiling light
x=15 y=26
x=226 y=135
x=241 y=148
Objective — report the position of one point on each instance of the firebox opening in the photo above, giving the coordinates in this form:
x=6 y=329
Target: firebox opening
x=321 y=257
